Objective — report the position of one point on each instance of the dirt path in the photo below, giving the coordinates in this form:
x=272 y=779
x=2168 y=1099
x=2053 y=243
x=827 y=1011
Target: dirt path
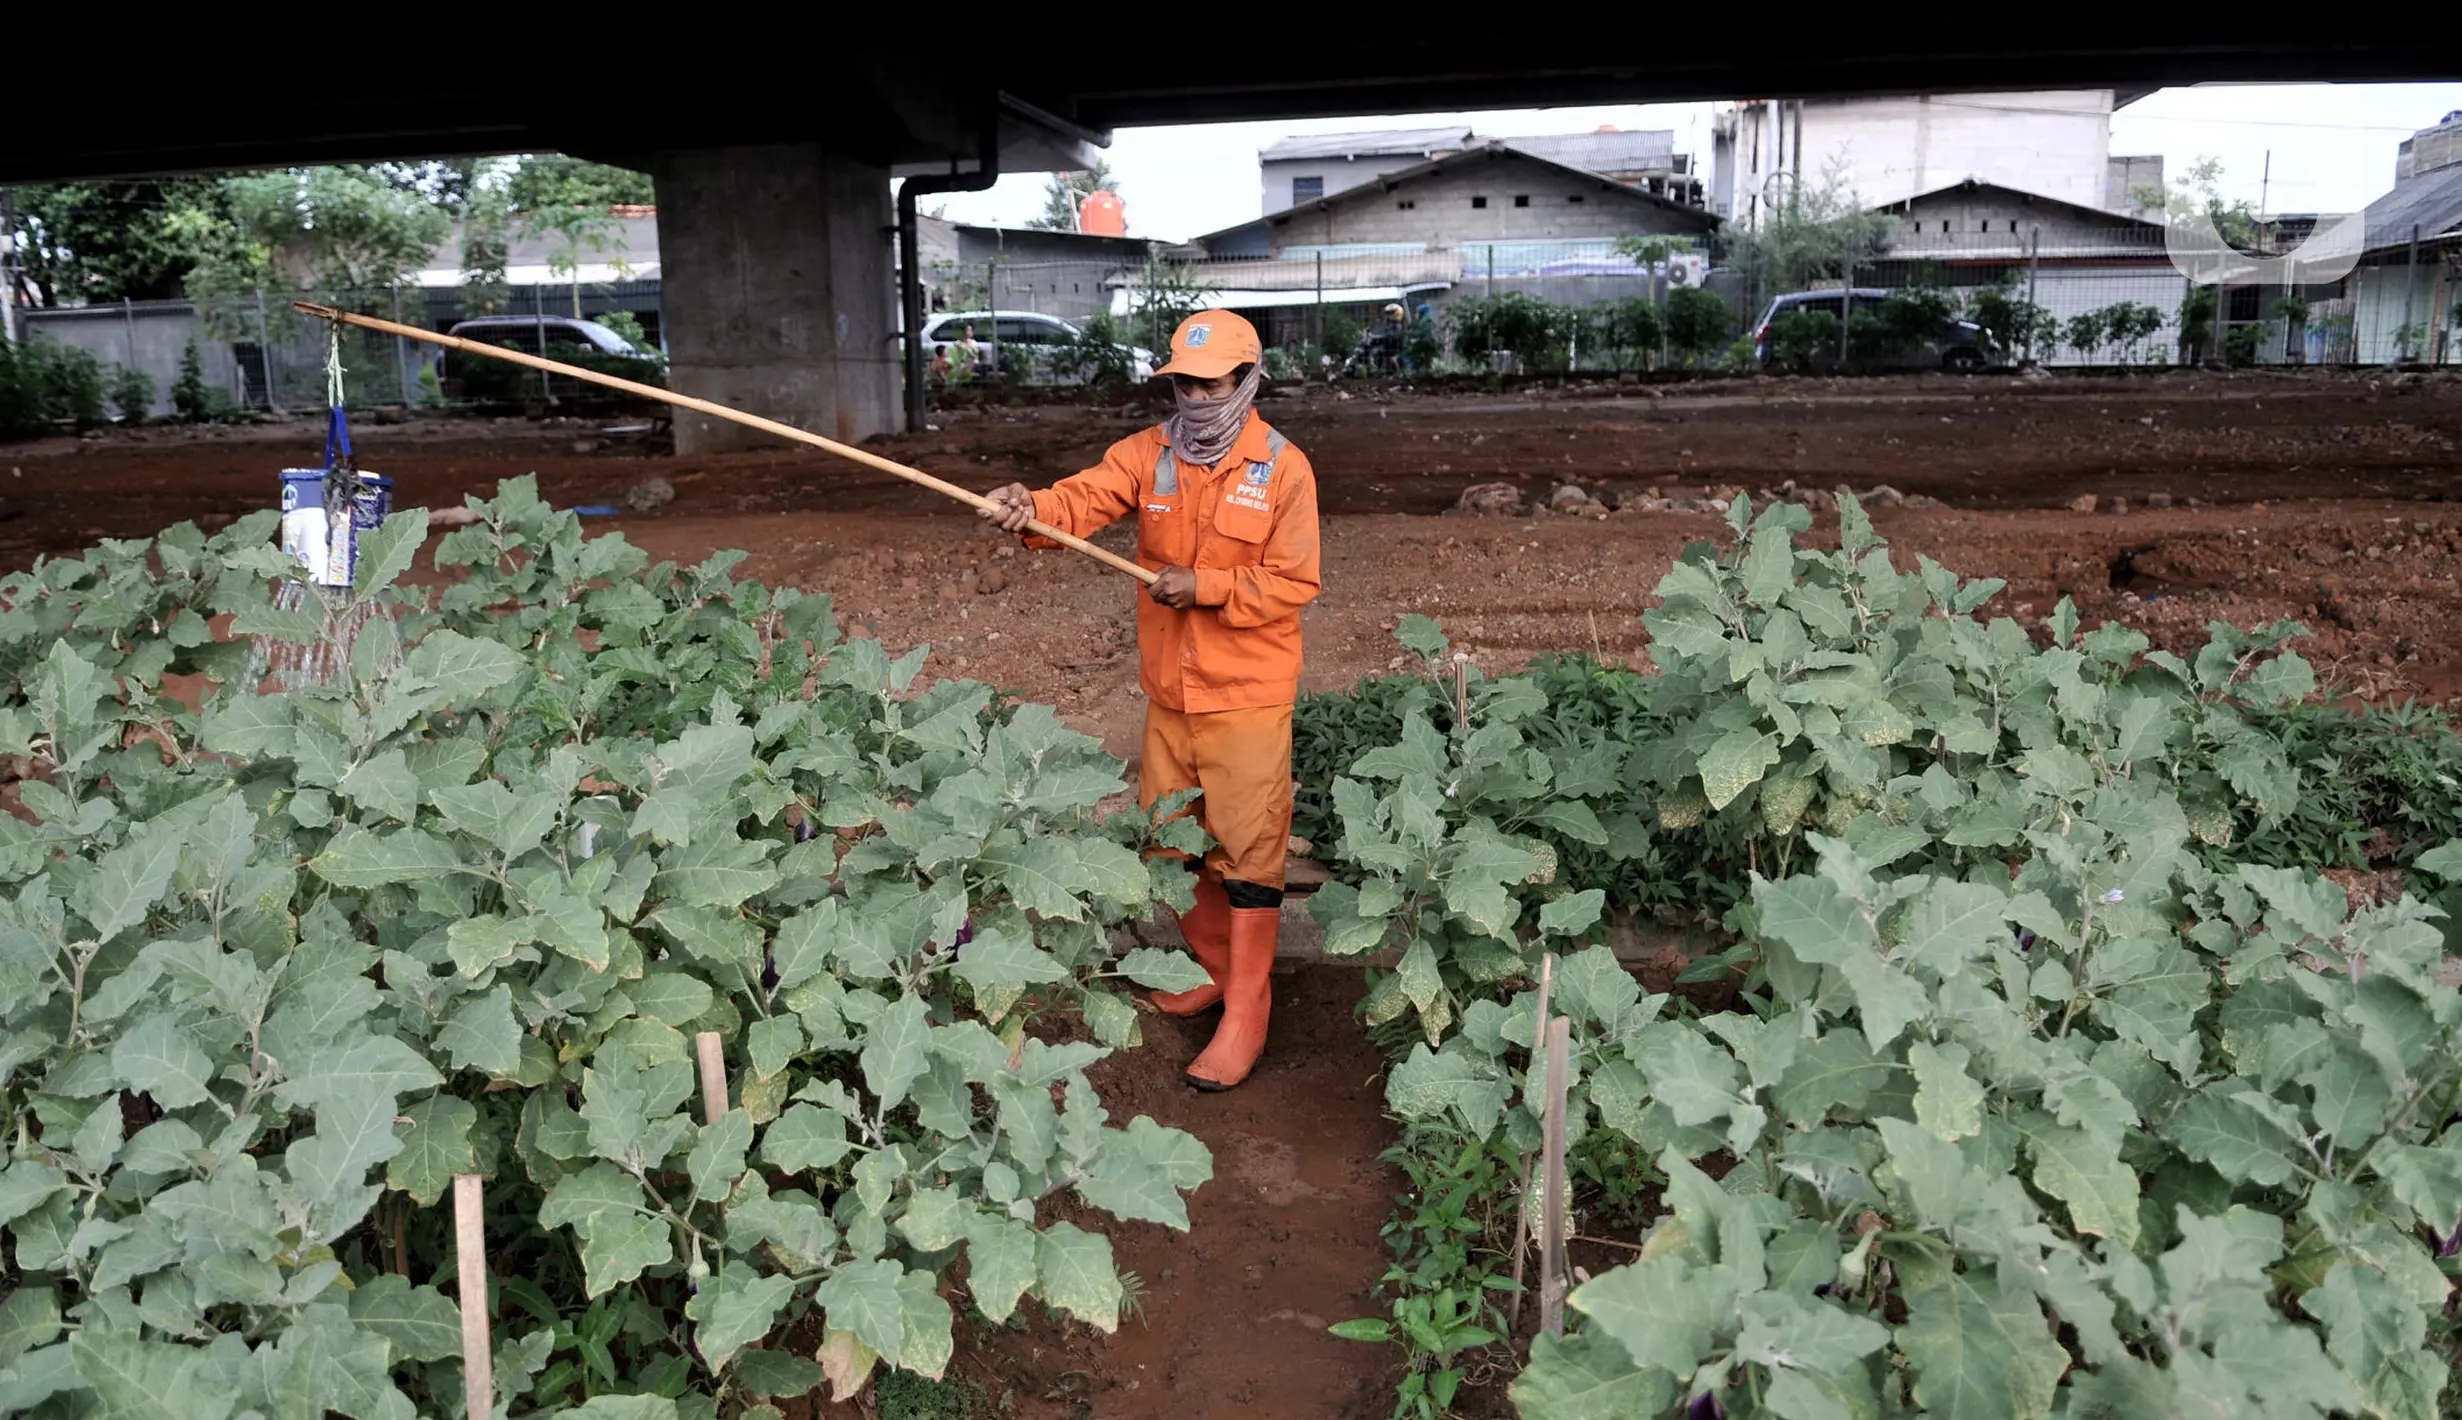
x=1281 y=1244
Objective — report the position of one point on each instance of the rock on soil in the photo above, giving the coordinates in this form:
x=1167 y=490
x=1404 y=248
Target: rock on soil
x=649 y=493
x=1568 y=498
x=1490 y=500
x=2084 y=503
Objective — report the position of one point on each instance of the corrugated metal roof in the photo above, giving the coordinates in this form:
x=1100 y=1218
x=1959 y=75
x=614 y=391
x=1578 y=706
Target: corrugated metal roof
x=1621 y=152
x=1422 y=142
x=2432 y=200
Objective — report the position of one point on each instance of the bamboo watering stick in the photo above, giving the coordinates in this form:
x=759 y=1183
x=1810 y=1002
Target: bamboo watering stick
x=478 y=1359
x=733 y=416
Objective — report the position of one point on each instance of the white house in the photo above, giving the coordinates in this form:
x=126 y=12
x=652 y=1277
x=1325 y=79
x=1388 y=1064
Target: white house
x=2055 y=144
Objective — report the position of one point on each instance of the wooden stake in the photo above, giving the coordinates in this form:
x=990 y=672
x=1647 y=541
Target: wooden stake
x=733 y=416
x=1521 y=1215
x=1551 y=1227
x=713 y=1075
x=478 y=1358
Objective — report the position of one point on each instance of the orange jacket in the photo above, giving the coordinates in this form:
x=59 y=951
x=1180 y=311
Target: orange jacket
x=1247 y=527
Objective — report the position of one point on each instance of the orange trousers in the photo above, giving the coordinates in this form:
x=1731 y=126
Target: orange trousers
x=1241 y=759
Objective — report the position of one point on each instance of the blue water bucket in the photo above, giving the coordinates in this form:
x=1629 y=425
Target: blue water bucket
x=327 y=551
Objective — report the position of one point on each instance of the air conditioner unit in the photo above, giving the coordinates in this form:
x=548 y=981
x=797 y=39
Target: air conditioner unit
x=1686 y=268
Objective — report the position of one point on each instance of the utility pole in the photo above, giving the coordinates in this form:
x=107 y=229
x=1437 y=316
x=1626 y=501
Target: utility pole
x=9 y=284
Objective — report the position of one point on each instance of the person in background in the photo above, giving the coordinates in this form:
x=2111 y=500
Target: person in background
x=1226 y=515
x=971 y=353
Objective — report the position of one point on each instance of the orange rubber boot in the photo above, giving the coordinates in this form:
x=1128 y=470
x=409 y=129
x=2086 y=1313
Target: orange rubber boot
x=1207 y=929
x=1248 y=998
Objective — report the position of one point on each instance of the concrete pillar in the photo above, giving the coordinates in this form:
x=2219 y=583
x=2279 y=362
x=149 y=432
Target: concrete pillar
x=777 y=289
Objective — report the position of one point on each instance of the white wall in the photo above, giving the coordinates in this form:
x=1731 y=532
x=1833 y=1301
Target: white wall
x=2055 y=143
x=1338 y=173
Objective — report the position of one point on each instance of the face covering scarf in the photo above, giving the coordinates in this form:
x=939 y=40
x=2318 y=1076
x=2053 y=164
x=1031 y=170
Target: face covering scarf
x=1203 y=429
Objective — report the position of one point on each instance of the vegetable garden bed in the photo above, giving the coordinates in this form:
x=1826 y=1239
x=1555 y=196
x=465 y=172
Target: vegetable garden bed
x=2043 y=1074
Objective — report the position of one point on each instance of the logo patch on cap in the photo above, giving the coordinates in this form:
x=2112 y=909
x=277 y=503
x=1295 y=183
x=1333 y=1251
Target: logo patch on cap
x=1197 y=335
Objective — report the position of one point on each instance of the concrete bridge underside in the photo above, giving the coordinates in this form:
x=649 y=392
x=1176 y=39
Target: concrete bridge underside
x=774 y=166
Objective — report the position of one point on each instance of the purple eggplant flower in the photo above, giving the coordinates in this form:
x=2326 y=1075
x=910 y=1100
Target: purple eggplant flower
x=2025 y=940
x=1706 y=1406
x=2448 y=1246
x=806 y=831
x=769 y=972
x=965 y=933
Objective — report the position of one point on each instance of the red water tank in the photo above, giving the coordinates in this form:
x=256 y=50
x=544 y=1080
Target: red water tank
x=1103 y=214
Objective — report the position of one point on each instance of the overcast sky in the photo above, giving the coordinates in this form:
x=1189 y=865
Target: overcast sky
x=2332 y=147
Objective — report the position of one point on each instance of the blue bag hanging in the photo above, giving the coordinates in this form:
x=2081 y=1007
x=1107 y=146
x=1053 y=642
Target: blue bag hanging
x=325 y=510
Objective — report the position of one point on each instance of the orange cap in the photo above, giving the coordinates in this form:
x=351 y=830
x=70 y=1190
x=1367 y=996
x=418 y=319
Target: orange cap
x=1210 y=344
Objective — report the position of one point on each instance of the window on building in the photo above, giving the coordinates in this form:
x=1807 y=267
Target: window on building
x=1521 y=200
x=1307 y=189
x=1478 y=202
x=1576 y=197
x=1408 y=204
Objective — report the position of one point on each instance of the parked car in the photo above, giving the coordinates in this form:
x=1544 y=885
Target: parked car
x=574 y=341
x=1035 y=335
x=1951 y=344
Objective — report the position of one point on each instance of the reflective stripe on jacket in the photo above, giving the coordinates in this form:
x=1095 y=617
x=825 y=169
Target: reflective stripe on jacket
x=1246 y=526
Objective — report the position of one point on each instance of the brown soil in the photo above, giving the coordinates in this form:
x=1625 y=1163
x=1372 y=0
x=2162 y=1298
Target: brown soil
x=2327 y=498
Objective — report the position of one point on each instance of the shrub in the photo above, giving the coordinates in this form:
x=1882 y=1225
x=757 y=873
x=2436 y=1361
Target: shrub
x=1630 y=330
x=131 y=392
x=1801 y=338
x=1698 y=322
x=191 y=398
x=44 y=383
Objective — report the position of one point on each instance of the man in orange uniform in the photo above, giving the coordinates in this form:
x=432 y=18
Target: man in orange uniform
x=1226 y=514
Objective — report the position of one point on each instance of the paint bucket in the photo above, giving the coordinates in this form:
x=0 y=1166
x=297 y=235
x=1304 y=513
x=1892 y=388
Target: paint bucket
x=329 y=553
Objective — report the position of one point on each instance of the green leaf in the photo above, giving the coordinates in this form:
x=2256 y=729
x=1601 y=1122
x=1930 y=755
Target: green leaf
x=1979 y=1353
x=780 y=1375
x=1045 y=874
x=1421 y=635
x=2085 y=1173
x=1735 y=763
x=1587 y=1376
x=717 y=1157
x=359 y=859
x=894 y=1055
x=386 y=784
x=419 y=1322
x=1078 y=1275
x=1573 y=914
x=998 y=958
x=670 y=997
x=1660 y=1310
x=160 y=1058
x=1425 y=1084
x=862 y=1297
x=619 y=1237
x=1157 y=969
x=1140 y=1171
x=30 y=1318
x=2238 y=1139
x=804 y=1138
x=734 y=1307
x=1001 y=1263
x=482 y=1034
x=1948 y=1101
x=128 y=880
x=436 y=1145
x=131 y=1377
x=387 y=550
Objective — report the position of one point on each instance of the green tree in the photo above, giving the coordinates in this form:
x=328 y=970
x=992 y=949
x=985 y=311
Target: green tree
x=1810 y=234
x=131 y=392
x=486 y=220
x=336 y=229
x=552 y=180
x=192 y=399
x=572 y=201
x=1063 y=193
x=2198 y=192
x=102 y=241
